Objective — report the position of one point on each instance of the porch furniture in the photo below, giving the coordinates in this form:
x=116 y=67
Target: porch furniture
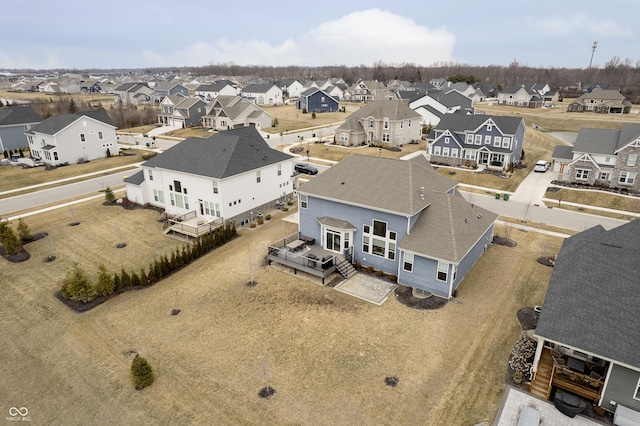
x=313 y=260
x=295 y=245
x=569 y=404
x=576 y=364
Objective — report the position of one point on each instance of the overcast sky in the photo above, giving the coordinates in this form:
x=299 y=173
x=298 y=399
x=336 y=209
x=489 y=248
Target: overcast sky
x=139 y=33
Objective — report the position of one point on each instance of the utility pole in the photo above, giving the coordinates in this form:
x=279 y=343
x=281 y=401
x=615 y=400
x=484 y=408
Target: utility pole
x=594 y=46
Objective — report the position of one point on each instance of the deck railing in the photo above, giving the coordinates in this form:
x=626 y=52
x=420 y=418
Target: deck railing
x=578 y=383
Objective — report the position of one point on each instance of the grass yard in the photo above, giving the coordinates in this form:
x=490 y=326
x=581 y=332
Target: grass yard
x=326 y=354
x=290 y=118
x=338 y=153
x=13 y=177
x=93 y=98
x=596 y=198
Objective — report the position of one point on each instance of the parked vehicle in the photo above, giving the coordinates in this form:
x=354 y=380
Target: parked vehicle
x=306 y=169
x=541 y=166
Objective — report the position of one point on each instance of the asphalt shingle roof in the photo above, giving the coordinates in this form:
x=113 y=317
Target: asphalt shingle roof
x=55 y=123
x=460 y=123
x=222 y=155
x=392 y=109
x=594 y=293
x=18 y=115
x=393 y=185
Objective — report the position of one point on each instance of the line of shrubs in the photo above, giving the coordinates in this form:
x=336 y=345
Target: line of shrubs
x=77 y=286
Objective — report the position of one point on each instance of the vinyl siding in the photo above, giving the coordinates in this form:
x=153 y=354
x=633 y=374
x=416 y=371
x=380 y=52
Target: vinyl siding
x=357 y=216
x=472 y=257
x=423 y=276
x=13 y=137
x=621 y=388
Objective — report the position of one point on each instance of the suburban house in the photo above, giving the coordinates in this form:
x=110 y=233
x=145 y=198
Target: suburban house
x=476 y=140
x=263 y=94
x=438 y=83
x=389 y=122
x=178 y=111
x=162 y=89
x=291 y=88
x=588 y=339
x=14 y=121
x=432 y=106
x=412 y=223
x=335 y=92
x=601 y=157
x=367 y=91
x=133 y=94
x=232 y=112
x=488 y=90
x=602 y=101
x=317 y=100
x=230 y=176
x=219 y=88
x=73 y=138
x=528 y=95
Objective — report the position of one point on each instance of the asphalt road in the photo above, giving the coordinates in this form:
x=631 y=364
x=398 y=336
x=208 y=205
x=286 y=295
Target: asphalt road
x=53 y=195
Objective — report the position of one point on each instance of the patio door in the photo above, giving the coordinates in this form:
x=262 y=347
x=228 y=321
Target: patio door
x=332 y=241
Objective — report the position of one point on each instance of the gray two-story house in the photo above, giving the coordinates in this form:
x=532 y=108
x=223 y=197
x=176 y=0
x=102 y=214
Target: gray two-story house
x=317 y=100
x=179 y=111
x=487 y=141
x=601 y=157
x=407 y=220
x=588 y=333
x=14 y=121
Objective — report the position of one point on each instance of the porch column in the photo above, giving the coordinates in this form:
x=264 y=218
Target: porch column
x=538 y=355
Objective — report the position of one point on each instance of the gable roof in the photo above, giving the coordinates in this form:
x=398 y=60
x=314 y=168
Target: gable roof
x=451 y=98
x=398 y=189
x=56 y=123
x=259 y=88
x=460 y=123
x=594 y=292
x=395 y=109
x=18 y=115
x=605 y=141
x=448 y=228
x=222 y=155
x=213 y=87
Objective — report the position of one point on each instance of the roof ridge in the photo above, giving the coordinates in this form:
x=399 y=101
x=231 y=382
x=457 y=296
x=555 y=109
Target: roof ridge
x=454 y=240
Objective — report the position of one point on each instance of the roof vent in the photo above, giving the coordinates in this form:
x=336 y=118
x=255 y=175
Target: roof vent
x=465 y=220
x=479 y=216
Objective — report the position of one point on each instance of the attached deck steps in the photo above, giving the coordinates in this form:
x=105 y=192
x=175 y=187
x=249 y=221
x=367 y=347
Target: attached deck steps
x=541 y=384
x=346 y=269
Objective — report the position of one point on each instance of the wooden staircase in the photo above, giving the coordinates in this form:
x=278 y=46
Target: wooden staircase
x=541 y=383
x=346 y=269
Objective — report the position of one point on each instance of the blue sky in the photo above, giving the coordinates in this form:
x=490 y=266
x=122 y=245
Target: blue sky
x=140 y=33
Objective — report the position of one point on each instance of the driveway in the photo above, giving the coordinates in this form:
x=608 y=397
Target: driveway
x=533 y=187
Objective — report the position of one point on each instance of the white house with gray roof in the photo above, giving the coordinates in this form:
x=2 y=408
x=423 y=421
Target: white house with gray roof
x=601 y=157
x=263 y=94
x=231 y=175
x=406 y=220
x=219 y=88
x=73 y=138
x=232 y=112
x=387 y=122
x=588 y=334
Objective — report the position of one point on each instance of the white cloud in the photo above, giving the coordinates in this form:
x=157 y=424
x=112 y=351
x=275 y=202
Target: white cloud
x=580 y=23
x=357 y=38
x=46 y=60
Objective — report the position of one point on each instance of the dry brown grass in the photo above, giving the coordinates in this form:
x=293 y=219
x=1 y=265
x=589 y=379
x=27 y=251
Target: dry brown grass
x=105 y=100
x=290 y=118
x=338 y=153
x=327 y=353
x=596 y=198
x=13 y=177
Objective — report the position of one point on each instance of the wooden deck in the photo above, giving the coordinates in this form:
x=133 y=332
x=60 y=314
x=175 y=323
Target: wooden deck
x=551 y=374
x=192 y=225
x=300 y=259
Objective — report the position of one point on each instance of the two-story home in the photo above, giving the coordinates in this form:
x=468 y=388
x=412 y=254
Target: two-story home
x=291 y=88
x=14 y=121
x=602 y=101
x=133 y=94
x=587 y=332
x=409 y=221
x=162 y=89
x=601 y=157
x=317 y=100
x=486 y=140
x=231 y=175
x=72 y=138
x=522 y=95
x=178 y=111
x=263 y=94
x=389 y=122
x=232 y=112
x=367 y=91
x=219 y=88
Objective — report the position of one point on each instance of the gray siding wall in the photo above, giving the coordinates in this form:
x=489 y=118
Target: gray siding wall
x=621 y=388
x=13 y=137
x=472 y=257
x=357 y=216
x=423 y=276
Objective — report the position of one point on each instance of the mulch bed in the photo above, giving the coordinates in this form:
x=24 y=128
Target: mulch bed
x=528 y=318
x=501 y=241
x=405 y=296
x=80 y=307
x=546 y=261
x=22 y=255
x=266 y=392
x=391 y=381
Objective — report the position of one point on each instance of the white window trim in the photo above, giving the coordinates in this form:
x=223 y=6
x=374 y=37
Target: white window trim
x=406 y=261
x=439 y=269
x=636 y=395
x=635 y=159
x=304 y=201
x=582 y=172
